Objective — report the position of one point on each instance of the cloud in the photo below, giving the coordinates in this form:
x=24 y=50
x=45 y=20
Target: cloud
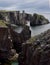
x=27 y=5
x=42 y=6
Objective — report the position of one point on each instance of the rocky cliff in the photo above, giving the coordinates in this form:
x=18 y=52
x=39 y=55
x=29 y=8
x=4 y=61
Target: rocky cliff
x=5 y=45
x=38 y=20
x=33 y=52
x=36 y=51
x=10 y=41
x=15 y=17
x=19 y=38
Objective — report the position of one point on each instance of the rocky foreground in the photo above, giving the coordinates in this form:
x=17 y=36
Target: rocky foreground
x=11 y=42
x=36 y=51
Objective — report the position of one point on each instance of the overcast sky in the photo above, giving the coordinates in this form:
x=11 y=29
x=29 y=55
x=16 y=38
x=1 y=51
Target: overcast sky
x=27 y=5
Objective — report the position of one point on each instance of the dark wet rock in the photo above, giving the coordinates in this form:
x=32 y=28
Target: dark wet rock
x=19 y=38
x=1 y=17
x=26 y=33
x=38 y=20
x=7 y=52
x=28 y=17
x=36 y=52
x=14 y=17
x=5 y=45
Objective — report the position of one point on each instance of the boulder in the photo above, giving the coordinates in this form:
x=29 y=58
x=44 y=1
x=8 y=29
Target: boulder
x=38 y=20
x=36 y=52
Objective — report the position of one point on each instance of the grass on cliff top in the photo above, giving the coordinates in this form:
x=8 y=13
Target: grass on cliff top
x=2 y=23
x=7 y=10
x=31 y=40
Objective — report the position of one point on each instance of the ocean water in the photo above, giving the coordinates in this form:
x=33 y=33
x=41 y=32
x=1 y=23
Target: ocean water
x=37 y=29
x=40 y=29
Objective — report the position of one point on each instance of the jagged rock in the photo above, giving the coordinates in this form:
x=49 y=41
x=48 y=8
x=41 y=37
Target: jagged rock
x=7 y=54
x=19 y=38
x=18 y=18
x=36 y=52
x=14 y=55
x=38 y=20
x=28 y=17
x=13 y=17
x=14 y=58
x=5 y=45
x=26 y=33
x=1 y=17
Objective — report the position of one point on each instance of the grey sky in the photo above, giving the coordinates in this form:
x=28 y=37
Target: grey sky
x=27 y=5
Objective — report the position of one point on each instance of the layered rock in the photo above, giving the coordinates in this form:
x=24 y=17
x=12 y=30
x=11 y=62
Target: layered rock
x=5 y=45
x=38 y=20
x=36 y=52
x=13 y=17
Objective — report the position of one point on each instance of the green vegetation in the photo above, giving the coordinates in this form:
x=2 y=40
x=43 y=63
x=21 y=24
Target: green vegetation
x=7 y=11
x=2 y=10
x=32 y=39
x=2 y=23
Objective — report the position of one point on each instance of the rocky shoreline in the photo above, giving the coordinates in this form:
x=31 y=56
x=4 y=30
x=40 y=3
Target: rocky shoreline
x=36 y=51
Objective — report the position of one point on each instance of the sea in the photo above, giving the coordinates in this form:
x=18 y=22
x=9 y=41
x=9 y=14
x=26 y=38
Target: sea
x=40 y=29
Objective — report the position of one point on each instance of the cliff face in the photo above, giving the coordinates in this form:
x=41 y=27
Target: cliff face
x=36 y=51
x=5 y=44
x=38 y=20
x=20 y=38
x=14 y=17
x=10 y=41
x=18 y=18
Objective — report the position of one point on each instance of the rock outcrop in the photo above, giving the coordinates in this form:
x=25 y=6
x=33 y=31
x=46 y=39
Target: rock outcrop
x=1 y=17
x=28 y=16
x=38 y=20
x=19 y=38
x=5 y=45
x=13 y=17
x=36 y=52
x=11 y=43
